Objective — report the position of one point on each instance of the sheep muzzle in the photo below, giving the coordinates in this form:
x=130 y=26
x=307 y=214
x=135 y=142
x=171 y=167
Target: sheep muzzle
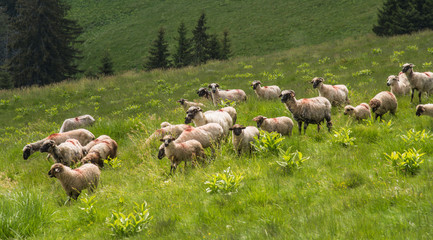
x=161 y=153
x=188 y=120
x=26 y=153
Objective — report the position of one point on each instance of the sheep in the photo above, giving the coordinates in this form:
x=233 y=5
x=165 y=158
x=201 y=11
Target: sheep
x=232 y=95
x=398 y=84
x=199 y=118
x=243 y=137
x=203 y=92
x=232 y=112
x=106 y=148
x=165 y=124
x=308 y=110
x=75 y=180
x=423 y=82
x=66 y=153
x=77 y=122
x=187 y=104
x=336 y=94
x=174 y=130
x=382 y=103
x=424 y=109
x=82 y=135
x=96 y=141
x=266 y=92
x=360 y=112
x=283 y=125
x=177 y=151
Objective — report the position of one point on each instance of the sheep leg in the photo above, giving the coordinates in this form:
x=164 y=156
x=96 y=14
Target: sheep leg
x=318 y=127
x=300 y=127
x=411 y=97
x=328 y=123
x=305 y=127
x=419 y=95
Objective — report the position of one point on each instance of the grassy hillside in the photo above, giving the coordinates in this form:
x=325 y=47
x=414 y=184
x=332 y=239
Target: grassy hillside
x=127 y=28
x=339 y=193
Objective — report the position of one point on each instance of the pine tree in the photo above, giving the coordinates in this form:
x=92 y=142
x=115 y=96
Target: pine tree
x=214 y=47
x=158 y=53
x=225 y=46
x=200 y=39
x=107 y=65
x=42 y=42
x=183 y=55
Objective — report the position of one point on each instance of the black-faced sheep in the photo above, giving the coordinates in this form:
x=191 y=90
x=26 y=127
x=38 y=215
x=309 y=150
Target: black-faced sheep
x=266 y=92
x=187 y=104
x=82 y=135
x=336 y=94
x=360 y=112
x=399 y=84
x=232 y=95
x=423 y=82
x=283 y=125
x=203 y=92
x=308 y=110
x=424 y=109
x=199 y=118
x=243 y=137
x=177 y=151
x=105 y=148
x=67 y=153
x=77 y=122
x=76 y=180
x=382 y=103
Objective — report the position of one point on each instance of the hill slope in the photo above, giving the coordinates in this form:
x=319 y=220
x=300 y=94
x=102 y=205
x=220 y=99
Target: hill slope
x=127 y=28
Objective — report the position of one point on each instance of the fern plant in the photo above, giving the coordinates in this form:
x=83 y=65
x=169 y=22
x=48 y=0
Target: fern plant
x=126 y=225
x=227 y=182
x=268 y=142
x=342 y=136
x=291 y=161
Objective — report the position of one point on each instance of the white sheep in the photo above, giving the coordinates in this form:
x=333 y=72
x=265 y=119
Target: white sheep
x=101 y=138
x=174 y=130
x=360 y=112
x=243 y=137
x=106 y=148
x=199 y=118
x=336 y=94
x=231 y=111
x=187 y=104
x=283 y=125
x=398 y=85
x=67 y=153
x=266 y=92
x=382 y=103
x=232 y=95
x=203 y=92
x=76 y=180
x=82 y=135
x=77 y=122
x=308 y=110
x=424 y=109
x=423 y=82
x=177 y=151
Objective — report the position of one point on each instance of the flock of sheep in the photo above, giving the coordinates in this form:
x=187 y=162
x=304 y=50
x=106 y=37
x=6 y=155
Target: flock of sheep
x=185 y=143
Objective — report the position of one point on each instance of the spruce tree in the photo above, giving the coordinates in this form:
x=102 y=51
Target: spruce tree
x=214 y=47
x=106 y=65
x=200 y=39
x=183 y=55
x=225 y=46
x=43 y=43
x=158 y=53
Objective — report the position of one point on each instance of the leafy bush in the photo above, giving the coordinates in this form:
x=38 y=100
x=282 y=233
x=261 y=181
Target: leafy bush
x=364 y=72
x=113 y=162
x=376 y=51
x=134 y=222
x=291 y=161
x=343 y=137
x=88 y=207
x=395 y=57
x=407 y=162
x=227 y=182
x=268 y=142
x=412 y=137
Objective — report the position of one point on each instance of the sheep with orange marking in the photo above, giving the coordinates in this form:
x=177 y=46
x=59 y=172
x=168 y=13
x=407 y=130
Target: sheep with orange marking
x=382 y=103
x=67 y=153
x=336 y=94
x=196 y=115
x=178 y=151
x=423 y=82
x=399 y=84
x=77 y=122
x=169 y=129
x=103 y=148
x=187 y=104
x=236 y=95
x=360 y=112
x=266 y=92
x=243 y=137
x=283 y=125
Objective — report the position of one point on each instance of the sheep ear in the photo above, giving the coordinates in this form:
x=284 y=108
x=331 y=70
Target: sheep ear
x=209 y=86
x=321 y=79
x=280 y=95
x=57 y=170
x=162 y=140
x=231 y=129
x=172 y=139
x=217 y=85
x=243 y=127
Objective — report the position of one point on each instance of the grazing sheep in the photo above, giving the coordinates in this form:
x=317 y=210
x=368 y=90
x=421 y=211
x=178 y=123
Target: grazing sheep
x=308 y=110
x=77 y=122
x=96 y=141
x=203 y=92
x=382 y=103
x=177 y=151
x=102 y=150
x=266 y=92
x=336 y=94
x=82 y=135
x=424 y=109
x=75 y=180
x=360 y=112
x=165 y=124
x=398 y=86
x=243 y=137
x=283 y=125
x=66 y=153
x=174 y=130
x=232 y=95
x=232 y=112
x=187 y=104
x=423 y=82
x=199 y=118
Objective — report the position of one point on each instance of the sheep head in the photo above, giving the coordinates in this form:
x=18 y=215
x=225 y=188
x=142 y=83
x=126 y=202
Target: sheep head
x=391 y=80
x=237 y=129
x=56 y=169
x=214 y=86
x=190 y=114
x=255 y=84
x=348 y=109
x=167 y=140
x=407 y=66
x=287 y=95
x=420 y=109
x=27 y=151
x=181 y=101
x=317 y=81
x=374 y=104
x=259 y=120
x=203 y=92
x=47 y=145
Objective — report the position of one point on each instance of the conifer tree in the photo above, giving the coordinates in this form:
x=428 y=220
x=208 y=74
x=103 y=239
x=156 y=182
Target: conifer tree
x=158 y=53
x=200 y=39
x=225 y=46
x=214 y=47
x=183 y=55
x=107 y=65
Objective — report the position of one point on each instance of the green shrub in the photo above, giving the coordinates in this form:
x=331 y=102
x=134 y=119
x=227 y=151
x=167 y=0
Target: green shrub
x=113 y=162
x=342 y=136
x=268 y=142
x=88 y=208
x=407 y=162
x=227 y=182
x=127 y=225
x=413 y=137
x=291 y=161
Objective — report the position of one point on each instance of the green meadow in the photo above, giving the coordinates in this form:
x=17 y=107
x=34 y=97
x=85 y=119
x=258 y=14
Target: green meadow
x=345 y=189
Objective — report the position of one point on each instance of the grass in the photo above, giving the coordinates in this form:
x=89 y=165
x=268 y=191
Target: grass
x=342 y=191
